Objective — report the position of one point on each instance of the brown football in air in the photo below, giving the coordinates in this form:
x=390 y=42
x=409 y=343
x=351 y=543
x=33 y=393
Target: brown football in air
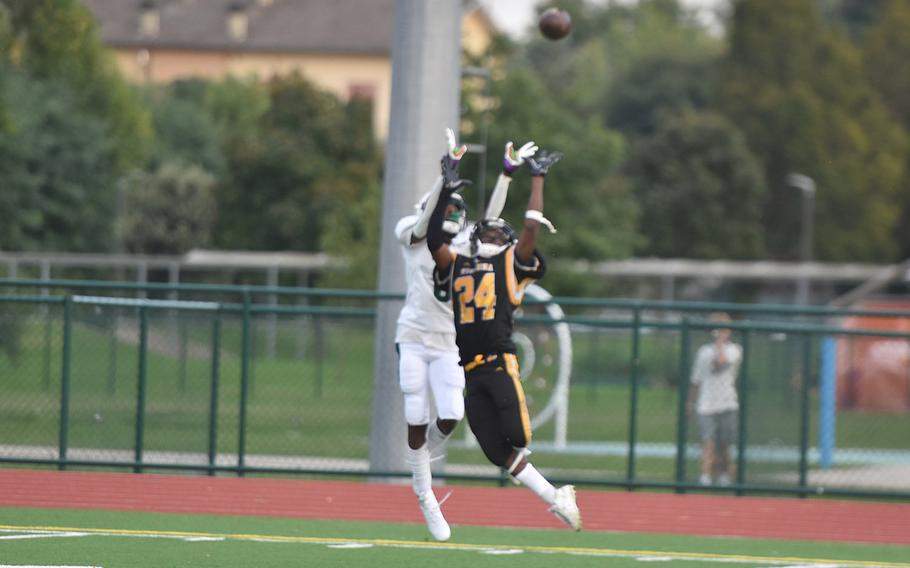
x=555 y=23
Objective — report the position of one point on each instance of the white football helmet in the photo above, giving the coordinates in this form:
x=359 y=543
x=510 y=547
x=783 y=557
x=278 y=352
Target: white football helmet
x=454 y=222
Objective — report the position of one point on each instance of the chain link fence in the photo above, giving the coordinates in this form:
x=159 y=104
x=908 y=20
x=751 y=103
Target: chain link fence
x=242 y=380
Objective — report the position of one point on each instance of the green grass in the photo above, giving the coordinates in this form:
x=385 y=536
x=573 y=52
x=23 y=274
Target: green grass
x=297 y=542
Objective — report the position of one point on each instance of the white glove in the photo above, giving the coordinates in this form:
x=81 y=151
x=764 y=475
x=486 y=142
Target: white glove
x=455 y=152
x=513 y=159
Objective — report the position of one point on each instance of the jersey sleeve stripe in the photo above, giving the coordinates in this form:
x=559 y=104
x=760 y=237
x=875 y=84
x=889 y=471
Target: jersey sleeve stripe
x=515 y=293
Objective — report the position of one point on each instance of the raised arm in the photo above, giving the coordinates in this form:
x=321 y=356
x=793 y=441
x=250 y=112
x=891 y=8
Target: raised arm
x=454 y=154
x=512 y=159
x=442 y=254
x=419 y=231
x=527 y=240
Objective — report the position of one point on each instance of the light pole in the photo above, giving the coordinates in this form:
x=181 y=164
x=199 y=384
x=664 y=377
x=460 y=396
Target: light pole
x=806 y=185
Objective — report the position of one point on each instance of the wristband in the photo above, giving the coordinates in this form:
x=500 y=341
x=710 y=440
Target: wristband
x=535 y=215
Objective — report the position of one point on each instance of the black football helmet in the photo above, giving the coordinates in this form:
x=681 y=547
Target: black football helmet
x=490 y=236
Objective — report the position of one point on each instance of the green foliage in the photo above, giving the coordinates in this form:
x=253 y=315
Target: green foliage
x=580 y=194
x=797 y=90
x=237 y=105
x=666 y=83
x=352 y=228
x=608 y=41
x=57 y=166
x=701 y=190
x=185 y=130
x=855 y=16
x=58 y=40
x=308 y=160
x=168 y=211
x=5 y=43
x=886 y=60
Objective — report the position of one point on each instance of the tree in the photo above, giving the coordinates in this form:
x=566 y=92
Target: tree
x=292 y=168
x=352 y=228
x=152 y=224
x=659 y=85
x=582 y=194
x=57 y=39
x=6 y=38
x=886 y=60
x=185 y=131
x=856 y=16
x=57 y=167
x=700 y=189
x=797 y=91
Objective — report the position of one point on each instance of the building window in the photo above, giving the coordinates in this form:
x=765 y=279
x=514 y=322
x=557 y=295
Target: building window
x=238 y=23
x=149 y=19
x=362 y=91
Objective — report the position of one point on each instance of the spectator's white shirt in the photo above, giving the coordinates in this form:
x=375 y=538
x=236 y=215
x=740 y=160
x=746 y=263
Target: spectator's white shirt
x=424 y=319
x=716 y=387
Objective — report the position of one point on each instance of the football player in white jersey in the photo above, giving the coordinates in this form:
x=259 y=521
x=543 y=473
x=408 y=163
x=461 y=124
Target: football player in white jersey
x=425 y=336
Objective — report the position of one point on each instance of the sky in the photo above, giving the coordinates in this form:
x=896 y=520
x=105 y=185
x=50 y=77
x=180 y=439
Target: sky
x=515 y=16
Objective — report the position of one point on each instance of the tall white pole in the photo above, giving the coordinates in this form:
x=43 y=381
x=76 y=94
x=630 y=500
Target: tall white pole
x=426 y=50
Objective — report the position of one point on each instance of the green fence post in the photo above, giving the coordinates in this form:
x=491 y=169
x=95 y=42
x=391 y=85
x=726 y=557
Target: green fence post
x=743 y=394
x=804 y=412
x=140 y=388
x=252 y=356
x=48 y=348
x=65 y=382
x=682 y=417
x=184 y=339
x=213 y=395
x=320 y=355
x=112 y=360
x=634 y=366
x=244 y=380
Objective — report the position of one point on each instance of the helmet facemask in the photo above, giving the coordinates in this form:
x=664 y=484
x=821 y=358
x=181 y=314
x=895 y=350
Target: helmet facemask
x=455 y=218
x=490 y=237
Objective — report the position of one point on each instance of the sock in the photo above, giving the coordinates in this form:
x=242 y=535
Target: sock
x=435 y=437
x=537 y=483
x=419 y=460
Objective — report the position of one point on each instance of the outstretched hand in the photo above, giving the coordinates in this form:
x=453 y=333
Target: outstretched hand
x=455 y=152
x=540 y=163
x=513 y=159
x=450 y=180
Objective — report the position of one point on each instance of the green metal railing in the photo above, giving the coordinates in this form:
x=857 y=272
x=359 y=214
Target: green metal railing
x=200 y=374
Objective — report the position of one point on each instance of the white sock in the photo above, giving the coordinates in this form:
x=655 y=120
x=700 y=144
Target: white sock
x=435 y=437
x=537 y=483
x=419 y=460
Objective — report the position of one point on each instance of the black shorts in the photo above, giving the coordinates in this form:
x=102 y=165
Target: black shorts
x=496 y=409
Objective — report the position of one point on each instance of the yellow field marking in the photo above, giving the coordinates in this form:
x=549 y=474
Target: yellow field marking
x=466 y=546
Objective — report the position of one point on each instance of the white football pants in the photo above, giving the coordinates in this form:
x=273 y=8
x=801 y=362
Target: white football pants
x=422 y=369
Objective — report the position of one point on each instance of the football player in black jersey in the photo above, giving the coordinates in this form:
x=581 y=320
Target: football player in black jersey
x=485 y=287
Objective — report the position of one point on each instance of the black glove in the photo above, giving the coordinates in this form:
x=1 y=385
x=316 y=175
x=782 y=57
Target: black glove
x=540 y=163
x=450 y=179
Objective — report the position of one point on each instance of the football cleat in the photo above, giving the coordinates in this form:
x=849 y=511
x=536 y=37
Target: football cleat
x=437 y=524
x=565 y=508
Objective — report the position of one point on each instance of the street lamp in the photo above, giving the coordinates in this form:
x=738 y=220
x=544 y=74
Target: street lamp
x=806 y=185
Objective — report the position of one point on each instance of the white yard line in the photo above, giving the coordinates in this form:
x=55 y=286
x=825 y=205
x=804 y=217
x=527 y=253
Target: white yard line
x=347 y=544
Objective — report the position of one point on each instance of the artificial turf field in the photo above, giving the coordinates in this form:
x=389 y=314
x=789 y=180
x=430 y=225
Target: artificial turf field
x=60 y=537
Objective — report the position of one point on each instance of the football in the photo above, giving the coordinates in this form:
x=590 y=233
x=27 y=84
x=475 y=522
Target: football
x=555 y=23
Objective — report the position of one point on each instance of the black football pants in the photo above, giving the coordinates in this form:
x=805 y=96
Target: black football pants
x=496 y=409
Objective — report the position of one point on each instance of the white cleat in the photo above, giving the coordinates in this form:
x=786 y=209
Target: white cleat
x=565 y=508
x=437 y=524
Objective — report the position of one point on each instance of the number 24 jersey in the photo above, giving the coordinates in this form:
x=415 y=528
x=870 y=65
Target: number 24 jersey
x=484 y=292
